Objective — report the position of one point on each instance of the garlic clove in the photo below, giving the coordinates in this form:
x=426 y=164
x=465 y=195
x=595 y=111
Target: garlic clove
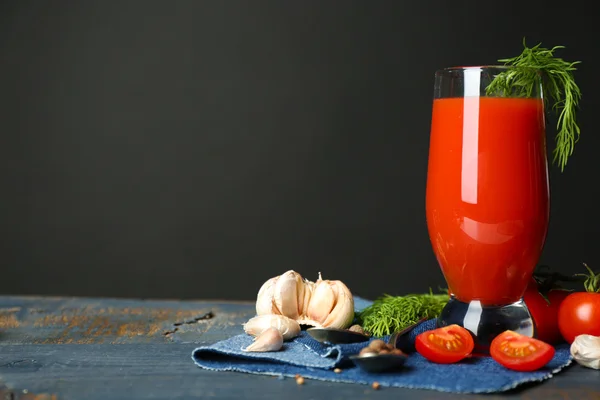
x=309 y=288
x=321 y=302
x=269 y=340
x=342 y=314
x=585 y=349
x=264 y=299
x=300 y=293
x=288 y=327
x=286 y=293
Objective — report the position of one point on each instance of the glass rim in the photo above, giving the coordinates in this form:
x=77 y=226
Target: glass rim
x=484 y=67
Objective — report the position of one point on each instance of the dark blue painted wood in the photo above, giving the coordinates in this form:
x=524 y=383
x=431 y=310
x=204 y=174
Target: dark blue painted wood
x=133 y=349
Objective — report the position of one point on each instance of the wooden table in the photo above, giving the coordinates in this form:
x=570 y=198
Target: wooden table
x=87 y=349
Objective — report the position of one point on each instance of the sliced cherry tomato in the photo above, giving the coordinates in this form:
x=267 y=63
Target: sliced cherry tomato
x=519 y=352
x=445 y=345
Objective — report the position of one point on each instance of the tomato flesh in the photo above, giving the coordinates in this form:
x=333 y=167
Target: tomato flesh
x=519 y=352
x=579 y=314
x=445 y=345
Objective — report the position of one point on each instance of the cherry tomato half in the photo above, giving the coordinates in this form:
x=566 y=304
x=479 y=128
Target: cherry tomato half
x=519 y=352
x=445 y=345
x=579 y=313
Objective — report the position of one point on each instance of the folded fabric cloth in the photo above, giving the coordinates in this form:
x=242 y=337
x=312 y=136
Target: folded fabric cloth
x=311 y=359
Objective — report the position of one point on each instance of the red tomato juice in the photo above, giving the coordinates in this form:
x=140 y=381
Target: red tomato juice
x=487 y=200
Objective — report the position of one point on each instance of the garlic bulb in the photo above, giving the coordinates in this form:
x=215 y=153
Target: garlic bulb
x=269 y=340
x=585 y=349
x=286 y=326
x=324 y=303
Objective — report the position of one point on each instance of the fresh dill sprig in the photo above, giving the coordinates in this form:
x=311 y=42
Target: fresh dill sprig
x=389 y=314
x=592 y=280
x=558 y=83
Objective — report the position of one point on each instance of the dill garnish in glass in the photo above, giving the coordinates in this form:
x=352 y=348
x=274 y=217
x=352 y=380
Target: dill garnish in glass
x=558 y=84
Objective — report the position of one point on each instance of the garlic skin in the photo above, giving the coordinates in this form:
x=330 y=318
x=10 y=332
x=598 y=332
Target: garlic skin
x=264 y=303
x=269 y=340
x=585 y=349
x=323 y=304
x=289 y=288
x=286 y=326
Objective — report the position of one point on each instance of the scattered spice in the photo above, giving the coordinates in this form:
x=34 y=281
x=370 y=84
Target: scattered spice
x=300 y=380
x=375 y=385
x=337 y=370
x=378 y=346
x=358 y=329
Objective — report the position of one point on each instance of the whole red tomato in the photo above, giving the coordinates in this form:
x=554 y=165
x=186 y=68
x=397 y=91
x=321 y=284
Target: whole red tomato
x=579 y=313
x=544 y=311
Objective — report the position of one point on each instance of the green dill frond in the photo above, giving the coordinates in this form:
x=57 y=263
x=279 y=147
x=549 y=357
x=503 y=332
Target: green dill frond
x=389 y=314
x=558 y=84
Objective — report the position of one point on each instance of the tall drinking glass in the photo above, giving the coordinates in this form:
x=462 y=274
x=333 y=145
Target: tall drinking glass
x=487 y=199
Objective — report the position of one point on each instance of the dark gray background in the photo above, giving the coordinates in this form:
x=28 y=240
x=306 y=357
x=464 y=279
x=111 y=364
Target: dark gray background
x=196 y=148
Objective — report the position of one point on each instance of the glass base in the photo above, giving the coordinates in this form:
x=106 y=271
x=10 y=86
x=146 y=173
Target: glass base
x=487 y=322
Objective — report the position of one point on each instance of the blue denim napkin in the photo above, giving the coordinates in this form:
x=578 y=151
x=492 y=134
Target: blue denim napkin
x=305 y=356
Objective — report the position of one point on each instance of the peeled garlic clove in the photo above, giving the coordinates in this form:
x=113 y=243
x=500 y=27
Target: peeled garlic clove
x=321 y=302
x=286 y=293
x=264 y=299
x=585 y=349
x=269 y=340
x=286 y=326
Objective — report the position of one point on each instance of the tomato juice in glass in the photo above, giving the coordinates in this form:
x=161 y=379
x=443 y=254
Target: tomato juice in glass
x=487 y=199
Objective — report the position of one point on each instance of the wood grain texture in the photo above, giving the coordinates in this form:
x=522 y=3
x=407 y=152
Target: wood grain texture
x=114 y=321
x=55 y=348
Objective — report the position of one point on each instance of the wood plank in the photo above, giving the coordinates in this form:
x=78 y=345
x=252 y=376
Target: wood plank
x=141 y=371
x=89 y=348
x=117 y=321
